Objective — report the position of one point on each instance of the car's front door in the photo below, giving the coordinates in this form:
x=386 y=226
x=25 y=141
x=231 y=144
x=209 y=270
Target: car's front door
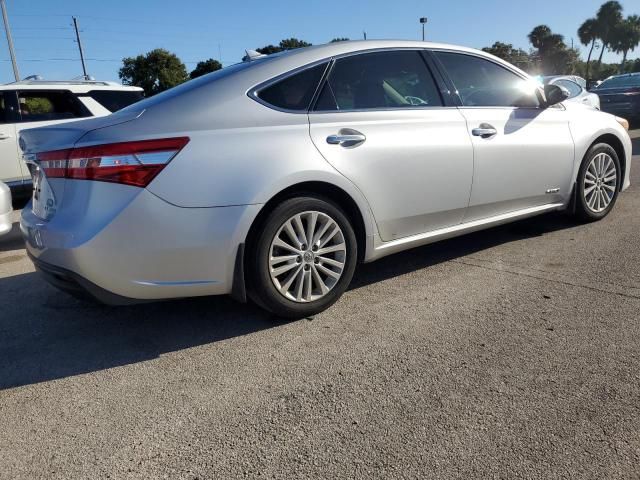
x=10 y=165
x=381 y=122
x=523 y=152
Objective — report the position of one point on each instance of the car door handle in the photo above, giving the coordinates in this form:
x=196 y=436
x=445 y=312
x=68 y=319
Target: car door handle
x=4 y=136
x=347 y=138
x=484 y=131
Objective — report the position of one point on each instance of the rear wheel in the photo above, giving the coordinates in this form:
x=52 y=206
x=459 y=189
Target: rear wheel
x=598 y=183
x=303 y=258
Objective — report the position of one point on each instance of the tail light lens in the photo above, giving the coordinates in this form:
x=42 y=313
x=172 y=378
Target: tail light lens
x=128 y=163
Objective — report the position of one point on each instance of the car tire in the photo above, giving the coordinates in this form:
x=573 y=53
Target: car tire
x=300 y=280
x=597 y=190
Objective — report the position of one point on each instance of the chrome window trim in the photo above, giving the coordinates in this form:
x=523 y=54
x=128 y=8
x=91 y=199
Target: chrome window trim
x=254 y=91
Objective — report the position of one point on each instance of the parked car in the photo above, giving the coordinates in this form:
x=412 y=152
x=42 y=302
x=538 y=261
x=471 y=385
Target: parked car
x=577 y=91
x=573 y=78
x=6 y=222
x=37 y=103
x=620 y=95
x=276 y=176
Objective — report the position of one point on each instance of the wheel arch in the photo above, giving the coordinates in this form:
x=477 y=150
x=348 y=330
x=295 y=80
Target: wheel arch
x=324 y=189
x=617 y=145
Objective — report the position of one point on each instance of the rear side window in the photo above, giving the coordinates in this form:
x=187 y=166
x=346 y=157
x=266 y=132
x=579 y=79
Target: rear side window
x=114 y=100
x=41 y=106
x=379 y=80
x=574 y=88
x=294 y=92
x=482 y=83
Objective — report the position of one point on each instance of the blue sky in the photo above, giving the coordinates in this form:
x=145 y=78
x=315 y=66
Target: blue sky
x=200 y=29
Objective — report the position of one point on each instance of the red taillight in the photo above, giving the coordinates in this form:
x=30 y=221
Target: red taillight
x=129 y=163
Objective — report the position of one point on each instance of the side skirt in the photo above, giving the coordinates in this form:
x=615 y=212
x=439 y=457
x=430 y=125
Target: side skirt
x=382 y=249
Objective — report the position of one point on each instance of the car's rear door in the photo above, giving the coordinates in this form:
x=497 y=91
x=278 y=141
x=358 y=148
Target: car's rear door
x=523 y=152
x=381 y=121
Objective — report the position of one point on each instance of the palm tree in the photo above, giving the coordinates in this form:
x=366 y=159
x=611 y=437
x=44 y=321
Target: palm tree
x=588 y=34
x=608 y=17
x=626 y=37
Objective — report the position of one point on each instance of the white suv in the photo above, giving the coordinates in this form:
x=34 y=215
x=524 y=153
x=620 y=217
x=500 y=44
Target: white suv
x=37 y=103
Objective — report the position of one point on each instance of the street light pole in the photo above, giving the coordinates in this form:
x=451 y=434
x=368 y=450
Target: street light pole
x=84 y=67
x=16 y=72
x=423 y=21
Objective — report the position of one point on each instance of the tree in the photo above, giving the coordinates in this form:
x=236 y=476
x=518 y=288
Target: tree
x=286 y=44
x=293 y=43
x=155 y=72
x=339 y=39
x=553 y=54
x=202 y=68
x=626 y=37
x=268 y=50
x=515 y=56
x=608 y=17
x=588 y=34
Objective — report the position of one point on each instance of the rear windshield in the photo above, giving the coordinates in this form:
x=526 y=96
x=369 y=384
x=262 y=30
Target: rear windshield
x=114 y=100
x=620 y=82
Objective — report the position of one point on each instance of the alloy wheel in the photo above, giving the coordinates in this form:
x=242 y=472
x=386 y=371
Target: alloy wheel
x=307 y=256
x=600 y=182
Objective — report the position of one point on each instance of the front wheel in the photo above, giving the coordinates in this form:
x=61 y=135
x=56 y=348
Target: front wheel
x=598 y=183
x=303 y=258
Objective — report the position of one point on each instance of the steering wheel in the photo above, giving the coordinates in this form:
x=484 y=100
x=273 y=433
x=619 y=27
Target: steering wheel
x=415 y=100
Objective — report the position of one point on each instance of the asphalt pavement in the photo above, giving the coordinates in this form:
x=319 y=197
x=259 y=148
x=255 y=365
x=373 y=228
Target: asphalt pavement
x=510 y=353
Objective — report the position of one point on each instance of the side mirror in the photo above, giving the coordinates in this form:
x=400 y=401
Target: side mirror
x=555 y=94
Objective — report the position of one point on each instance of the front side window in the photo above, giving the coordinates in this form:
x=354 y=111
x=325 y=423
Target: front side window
x=574 y=88
x=379 y=80
x=41 y=106
x=294 y=92
x=483 y=83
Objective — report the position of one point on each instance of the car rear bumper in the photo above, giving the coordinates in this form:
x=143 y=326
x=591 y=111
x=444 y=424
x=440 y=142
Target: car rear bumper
x=147 y=250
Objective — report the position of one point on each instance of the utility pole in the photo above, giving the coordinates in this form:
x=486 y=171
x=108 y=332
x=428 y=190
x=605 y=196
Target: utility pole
x=423 y=21
x=84 y=67
x=16 y=73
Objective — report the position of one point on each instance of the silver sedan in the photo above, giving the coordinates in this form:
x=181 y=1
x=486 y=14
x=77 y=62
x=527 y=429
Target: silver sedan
x=273 y=178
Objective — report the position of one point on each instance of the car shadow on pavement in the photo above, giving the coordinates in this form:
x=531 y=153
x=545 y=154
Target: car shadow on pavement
x=13 y=240
x=47 y=335
x=443 y=251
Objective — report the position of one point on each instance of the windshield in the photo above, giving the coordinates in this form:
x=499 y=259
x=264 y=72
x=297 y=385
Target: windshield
x=620 y=82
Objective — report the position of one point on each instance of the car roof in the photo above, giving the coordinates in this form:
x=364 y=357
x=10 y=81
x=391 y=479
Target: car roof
x=308 y=55
x=632 y=74
x=75 y=86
